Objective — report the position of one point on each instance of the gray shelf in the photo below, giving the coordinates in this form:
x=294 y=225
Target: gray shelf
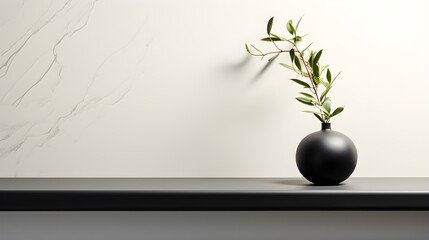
x=210 y=194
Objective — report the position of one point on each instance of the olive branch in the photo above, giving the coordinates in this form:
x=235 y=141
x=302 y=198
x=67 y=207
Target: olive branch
x=306 y=64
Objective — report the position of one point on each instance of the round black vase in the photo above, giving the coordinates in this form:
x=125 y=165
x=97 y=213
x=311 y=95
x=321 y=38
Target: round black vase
x=326 y=157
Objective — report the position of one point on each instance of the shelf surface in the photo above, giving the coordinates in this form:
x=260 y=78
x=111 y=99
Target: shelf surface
x=210 y=194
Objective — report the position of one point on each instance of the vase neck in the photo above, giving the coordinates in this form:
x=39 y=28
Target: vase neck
x=326 y=126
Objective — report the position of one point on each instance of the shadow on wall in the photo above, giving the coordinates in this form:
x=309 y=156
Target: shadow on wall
x=263 y=70
x=237 y=67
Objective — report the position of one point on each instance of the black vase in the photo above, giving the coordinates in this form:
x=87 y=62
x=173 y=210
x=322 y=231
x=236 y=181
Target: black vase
x=326 y=157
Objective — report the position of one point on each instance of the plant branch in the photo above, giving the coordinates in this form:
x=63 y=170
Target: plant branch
x=268 y=53
x=311 y=71
x=276 y=46
x=311 y=77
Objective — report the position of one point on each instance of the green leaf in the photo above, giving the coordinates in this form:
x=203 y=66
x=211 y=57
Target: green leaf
x=270 y=25
x=287 y=66
x=297 y=25
x=276 y=36
x=306 y=85
x=309 y=111
x=316 y=80
x=337 y=111
x=327 y=105
x=328 y=76
x=305 y=101
x=307 y=95
x=323 y=109
x=273 y=57
x=316 y=71
x=312 y=100
x=247 y=48
x=318 y=117
x=271 y=39
x=292 y=54
x=326 y=84
x=324 y=93
x=297 y=39
x=310 y=59
x=256 y=49
x=290 y=28
x=297 y=63
x=317 y=57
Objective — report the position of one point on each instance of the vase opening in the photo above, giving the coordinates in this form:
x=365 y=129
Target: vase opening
x=326 y=126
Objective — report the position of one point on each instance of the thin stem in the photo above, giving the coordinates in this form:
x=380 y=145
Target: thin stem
x=314 y=87
x=311 y=77
x=276 y=45
x=268 y=53
x=309 y=74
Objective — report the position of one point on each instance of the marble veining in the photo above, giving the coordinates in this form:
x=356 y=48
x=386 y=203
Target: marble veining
x=34 y=104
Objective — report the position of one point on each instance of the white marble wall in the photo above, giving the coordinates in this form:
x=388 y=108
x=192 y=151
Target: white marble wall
x=164 y=88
